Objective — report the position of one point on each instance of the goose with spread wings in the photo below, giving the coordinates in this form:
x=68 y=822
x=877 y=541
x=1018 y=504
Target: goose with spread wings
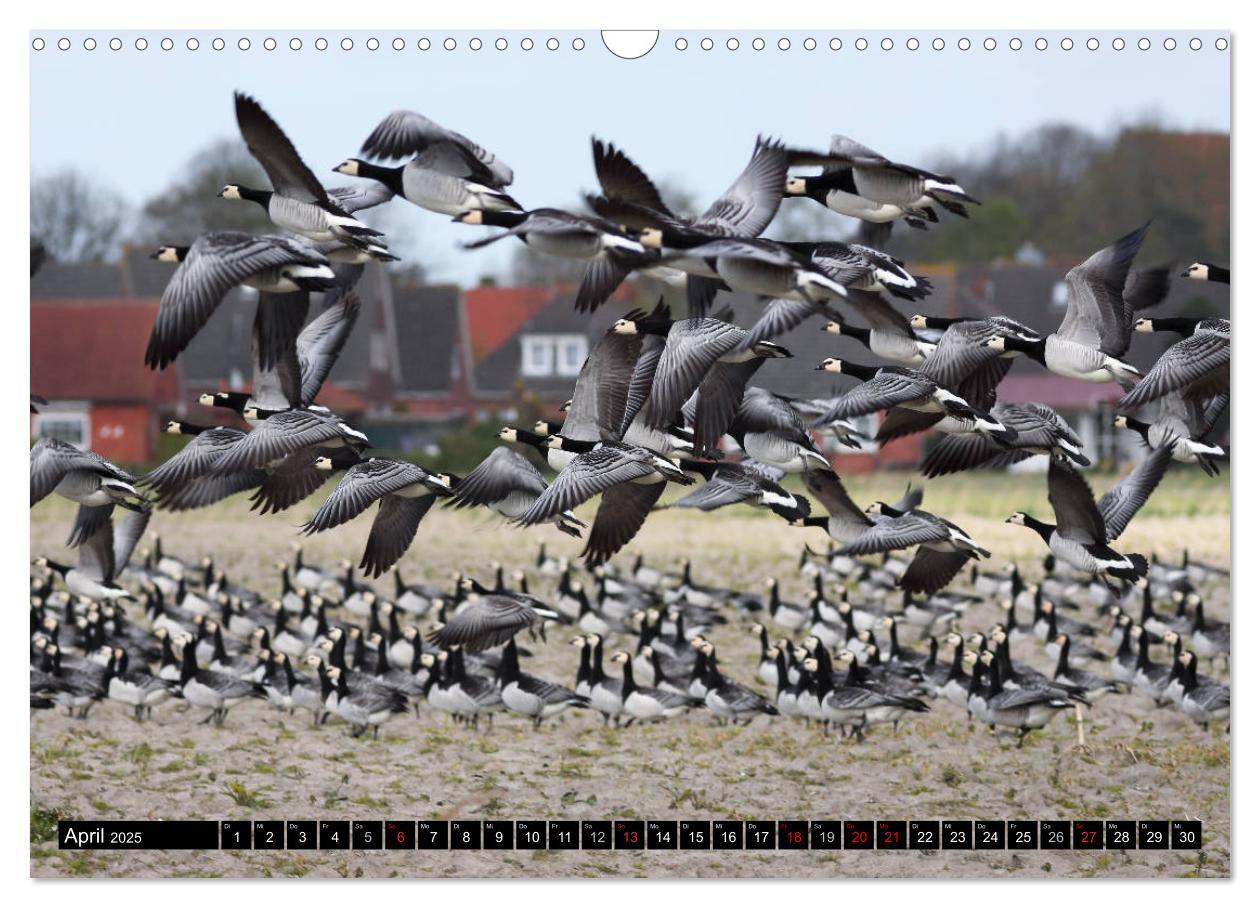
x=1196 y=366
x=1098 y=324
x=630 y=479
x=1037 y=428
x=771 y=432
x=1083 y=529
x=943 y=547
x=741 y=483
x=405 y=491
x=487 y=618
x=277 y=266
x=405 y=133
x=446 y=178
x=297 y=201
x=1188 y=423
x=862 y=183
x=282 y=435
x=103 y=555
x=845 y=521
x=745 y=209
x=508 y=484
x=83 y=477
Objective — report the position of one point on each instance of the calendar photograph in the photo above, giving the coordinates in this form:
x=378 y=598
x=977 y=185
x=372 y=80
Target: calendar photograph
x=584 y=455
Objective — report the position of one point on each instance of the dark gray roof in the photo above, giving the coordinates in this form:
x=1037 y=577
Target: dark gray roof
x=426 y=325
x=90 y=280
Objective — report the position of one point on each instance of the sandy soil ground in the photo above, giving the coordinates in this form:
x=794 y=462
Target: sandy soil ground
x=1141 y=763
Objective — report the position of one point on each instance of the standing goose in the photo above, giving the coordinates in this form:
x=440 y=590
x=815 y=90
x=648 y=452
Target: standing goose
x=1203 y=701
x=1201 y=271
x=648 y=704
x=531 y=696
x=630 y=478
x=215 y=691
x=296 y=201
x=136 y=687
x=445 y=177
x=1036 y=428
x=1098 y=323
x=83 y=477
x=487 y=619
x=1020 y=708
x=862 y=183
x=1187 y=423
x=405 y=492
x=102 y=557
x=365 y=707
x=727 y=699
x=280 y=267
x=1196 y=366
x=508 y=484
x=1083 y=528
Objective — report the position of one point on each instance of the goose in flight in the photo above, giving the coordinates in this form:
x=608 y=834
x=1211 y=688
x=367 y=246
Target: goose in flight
x=405 y=492
x=741 y=483
x=404 y=133
x=1098 y=324
x=1188 y=423
x=771 y=432
x=862 y=183
x=102 y=557
x=1196 y=366
x=1202 y=271
x=282 y=435
x=943 y=547
x=1036 y=428
x=508 y=484
x=297 y=201
x=1083 y=529
x=488 y=618
x=446 y=178
x=83 y=477
x=276 y=266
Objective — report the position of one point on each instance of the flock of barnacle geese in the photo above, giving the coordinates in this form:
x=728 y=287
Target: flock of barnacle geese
x=658 y=401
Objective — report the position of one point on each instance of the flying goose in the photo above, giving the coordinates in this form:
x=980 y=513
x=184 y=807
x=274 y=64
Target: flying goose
x=405 y=492
x=861 y=183
x=771 y=432
x=1196 y=366
x=1201 y=271
x=297 y=201
x=573 y=236
x=1187 y=423
x=277 y=266
x=845 y=521
x=943 y=547
x=630 y=478
x=445 y=177
x=83 y=477
x=487 y=619
x=102 y=557
x=741 y=483
x=1036 y=428
x=864 y=271
x=289 y=433
x=1083 y=528
x=1098 y=324
x=508 y=484
x=404 y=133
x=888 y=337
x=896 y=387
x=708 y=357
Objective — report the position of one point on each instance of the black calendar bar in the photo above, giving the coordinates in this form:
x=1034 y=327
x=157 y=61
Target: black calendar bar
x=632 y=835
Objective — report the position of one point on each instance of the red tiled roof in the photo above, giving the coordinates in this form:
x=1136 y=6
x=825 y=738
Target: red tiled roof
x=1058 y=392
x=94 y=350
x=495 y=314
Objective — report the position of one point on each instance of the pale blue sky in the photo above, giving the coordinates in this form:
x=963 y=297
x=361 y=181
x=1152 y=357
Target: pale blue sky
x=132 y=118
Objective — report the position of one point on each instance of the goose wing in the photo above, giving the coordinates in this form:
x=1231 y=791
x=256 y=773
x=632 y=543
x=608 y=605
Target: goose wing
x=1121 y=503
x=586 y=476
x=362 y=484
x=597 y=411
x=1181 y=366
x=214 y=264
x=367 y=194
x=884 y=391
x=931 y=570
x=193 y=460
x=285 y=168
x=277 y=437
x=692 y=347
x=1076 y=515
x=763 y=411
x=483 y=623
x=621 y=514
x=751 y=202
x=127 y=533
x=626 y=187
x=203 y=491
x=718 y=400
x=641 y=378
x=961 y=351
x=503 y=472
x=404 y=132
x=779 y=316
x=96 y=553
x=887 y=534
x=729 y=485
x=393 y=531
x=955 y=453
x=1097 y=315
x=281 y=487
x=830 y=491
x=879 y=313
x=52 y=459
x=277 y=383
x=321 y=342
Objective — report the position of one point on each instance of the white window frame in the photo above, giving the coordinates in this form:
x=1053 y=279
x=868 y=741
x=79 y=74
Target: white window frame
x=538 y=355
x=566 y=343
x=82 y=417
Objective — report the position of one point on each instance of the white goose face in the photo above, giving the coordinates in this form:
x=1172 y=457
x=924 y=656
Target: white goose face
x=831 y=364
x=469 y=217
x=1198 y=271
x=555 y=442
x=794 y=186
x=621 y=658
x=166 y=254
x=1018 y=518
x=324 y=463
x=1144 y=325
x=918 y=322
x=997 y=342
x=230 y=191
x=834 y=327
x=625 y=326
x=1121 y=422
x=810 y=664
x=350 y=167
x=652 y=237
x=507 y=433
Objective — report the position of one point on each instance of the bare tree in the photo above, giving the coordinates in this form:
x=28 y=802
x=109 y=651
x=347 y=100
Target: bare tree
x=76 y=219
